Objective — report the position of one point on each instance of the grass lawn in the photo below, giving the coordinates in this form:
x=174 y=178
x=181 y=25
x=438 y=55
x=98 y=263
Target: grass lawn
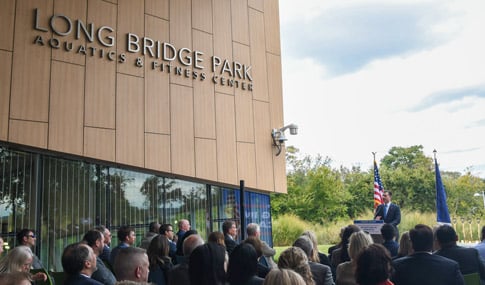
x=279 y=249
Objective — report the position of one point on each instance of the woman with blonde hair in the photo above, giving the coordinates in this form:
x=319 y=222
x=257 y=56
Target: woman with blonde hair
x=19 y=259
x=317 y=256
x=346 y=271
x=283 y=277
x=295 y=258
x=15 y=278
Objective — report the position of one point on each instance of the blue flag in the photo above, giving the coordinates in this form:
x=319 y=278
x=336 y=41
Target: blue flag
x=442 y=214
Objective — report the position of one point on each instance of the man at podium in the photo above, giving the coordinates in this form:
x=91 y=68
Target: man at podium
x=388 y=211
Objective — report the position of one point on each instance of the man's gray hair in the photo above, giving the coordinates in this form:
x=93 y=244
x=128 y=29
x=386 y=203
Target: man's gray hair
x=252 y=229
x=190 y=243
x=305 y=244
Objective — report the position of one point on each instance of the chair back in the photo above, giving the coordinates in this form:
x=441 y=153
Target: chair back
x=472 y=278
x=59 y=277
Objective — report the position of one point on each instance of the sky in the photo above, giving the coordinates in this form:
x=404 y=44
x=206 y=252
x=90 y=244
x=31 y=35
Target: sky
x=364 y=76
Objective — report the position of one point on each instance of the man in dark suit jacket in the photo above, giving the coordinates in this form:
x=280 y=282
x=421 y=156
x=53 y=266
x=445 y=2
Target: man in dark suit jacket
x=229 y=229
x=388 y=211
x=103 y=274
x=468 y=258
x=79 y=263
x=422 y=267
x=184 y=226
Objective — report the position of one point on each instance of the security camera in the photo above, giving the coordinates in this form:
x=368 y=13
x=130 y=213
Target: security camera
x=279 y=137
x=293 y=129
x=282 y=138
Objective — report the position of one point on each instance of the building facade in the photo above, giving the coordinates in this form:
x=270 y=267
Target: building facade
x=122 y=112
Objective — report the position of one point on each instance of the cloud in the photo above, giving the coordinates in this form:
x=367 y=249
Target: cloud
x=462 y=150
x=345 y=39
x=449 y=96
x=475 y=124
x=430 y=95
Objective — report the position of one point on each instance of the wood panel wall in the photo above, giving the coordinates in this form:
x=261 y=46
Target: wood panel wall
x=129 y=111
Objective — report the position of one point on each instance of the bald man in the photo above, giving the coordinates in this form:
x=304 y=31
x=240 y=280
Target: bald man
x=179 y=275
x=132 y=264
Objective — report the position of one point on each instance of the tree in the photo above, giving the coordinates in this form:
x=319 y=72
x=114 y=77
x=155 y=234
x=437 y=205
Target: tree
x=461 y=199
x=327 y=196
x=315 y=191
x=319 y=193
x=409 y=174
x=359 y=185
x=406 y=157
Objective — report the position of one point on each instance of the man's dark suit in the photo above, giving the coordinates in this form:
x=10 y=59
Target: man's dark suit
x=230 y=243
x=103 y=274
x=393 y=216
x=322 y=274
x=179 y=275
x=79 y=279
x=468 y=259
x=426 y=268
x=172 y=252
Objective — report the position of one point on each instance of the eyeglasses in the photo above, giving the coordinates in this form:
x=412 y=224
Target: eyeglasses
x=32 y=236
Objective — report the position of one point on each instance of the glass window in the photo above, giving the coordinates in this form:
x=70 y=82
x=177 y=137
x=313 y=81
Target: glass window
x=69 y=206
x=18 y=195
x=61 y=199
x=225 y=206
x=258 y=210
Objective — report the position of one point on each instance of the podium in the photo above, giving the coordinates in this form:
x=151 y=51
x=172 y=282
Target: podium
x=372 y=227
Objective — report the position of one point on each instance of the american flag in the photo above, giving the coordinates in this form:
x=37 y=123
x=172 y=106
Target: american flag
x=378 y=189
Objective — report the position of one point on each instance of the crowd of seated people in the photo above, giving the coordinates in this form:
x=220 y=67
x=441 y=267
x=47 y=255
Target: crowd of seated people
x=422 y=256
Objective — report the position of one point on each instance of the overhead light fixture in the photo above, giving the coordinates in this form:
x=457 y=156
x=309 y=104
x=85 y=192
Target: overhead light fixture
x=279 y=137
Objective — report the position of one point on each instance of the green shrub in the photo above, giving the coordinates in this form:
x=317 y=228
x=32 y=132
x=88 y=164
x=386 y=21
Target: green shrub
x=287 y=228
